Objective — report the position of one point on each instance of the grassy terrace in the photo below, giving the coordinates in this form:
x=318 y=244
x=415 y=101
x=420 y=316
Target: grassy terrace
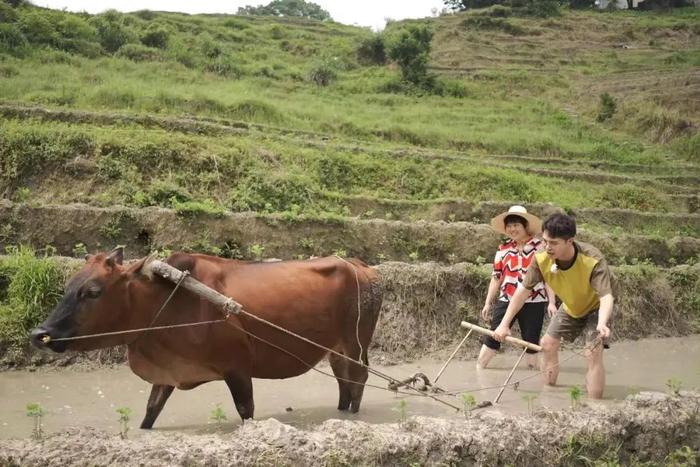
x=209 y=114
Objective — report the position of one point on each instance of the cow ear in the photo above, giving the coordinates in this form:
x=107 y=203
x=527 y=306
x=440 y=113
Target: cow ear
x=116 y=256
x=142 y=267
x=88 y=257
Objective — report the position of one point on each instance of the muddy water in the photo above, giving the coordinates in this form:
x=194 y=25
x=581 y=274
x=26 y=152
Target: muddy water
x=90 y=398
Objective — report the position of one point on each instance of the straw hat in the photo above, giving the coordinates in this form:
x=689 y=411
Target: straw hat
x=534 y=224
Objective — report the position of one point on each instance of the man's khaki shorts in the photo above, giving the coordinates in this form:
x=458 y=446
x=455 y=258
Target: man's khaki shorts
x=563 y=326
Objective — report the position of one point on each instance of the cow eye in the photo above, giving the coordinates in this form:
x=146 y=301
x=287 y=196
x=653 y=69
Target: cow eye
x=92 y=292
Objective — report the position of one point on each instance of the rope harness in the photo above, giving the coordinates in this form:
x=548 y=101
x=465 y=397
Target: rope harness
x=419 y=384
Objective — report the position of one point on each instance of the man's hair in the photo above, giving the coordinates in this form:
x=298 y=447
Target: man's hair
x=515 y=218
x=560 y=226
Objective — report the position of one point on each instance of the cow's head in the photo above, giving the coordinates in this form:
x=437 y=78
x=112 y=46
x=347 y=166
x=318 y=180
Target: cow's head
x=96 y=301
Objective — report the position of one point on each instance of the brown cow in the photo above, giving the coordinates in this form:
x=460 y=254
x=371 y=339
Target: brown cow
x=316 y=299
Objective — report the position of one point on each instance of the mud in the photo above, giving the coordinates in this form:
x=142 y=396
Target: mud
x=648 y=427
x=374 y=240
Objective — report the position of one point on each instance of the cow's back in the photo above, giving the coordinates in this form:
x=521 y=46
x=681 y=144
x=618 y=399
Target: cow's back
x=316 y=299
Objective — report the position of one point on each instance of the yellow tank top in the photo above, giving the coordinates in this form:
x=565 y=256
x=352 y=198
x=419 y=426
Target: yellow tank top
x=573 y=285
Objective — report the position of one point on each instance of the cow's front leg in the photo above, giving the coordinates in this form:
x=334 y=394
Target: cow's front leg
x=156 y=401
x=241 y=387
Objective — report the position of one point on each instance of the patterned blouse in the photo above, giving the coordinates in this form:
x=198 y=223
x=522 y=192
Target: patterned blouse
x=510 y=266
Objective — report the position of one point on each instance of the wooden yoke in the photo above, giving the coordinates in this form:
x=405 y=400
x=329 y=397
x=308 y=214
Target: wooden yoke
x=174 y=275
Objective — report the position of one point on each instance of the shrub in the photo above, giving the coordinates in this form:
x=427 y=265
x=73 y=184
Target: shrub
x=496 y=11
x=37 y=28
x=155 y=36
x=111 y=31
x=138 y=53
x=7 y=13
x=252 y=109
x=411 y=51
x=272 y=193
x=224 y=66
x=11 y=37
x=487 y=22
x=323 y=73
x=34 y=286
x=197 y=208
x=372 y=50
x=606 y=108
x=542 y=8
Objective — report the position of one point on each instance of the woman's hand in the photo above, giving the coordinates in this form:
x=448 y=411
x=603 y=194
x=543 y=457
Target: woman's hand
x=486 y=313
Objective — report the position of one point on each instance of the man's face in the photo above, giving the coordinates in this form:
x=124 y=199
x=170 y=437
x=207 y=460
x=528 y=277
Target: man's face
x=557 y=248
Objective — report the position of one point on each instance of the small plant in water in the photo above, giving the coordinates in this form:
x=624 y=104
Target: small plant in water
x=218 y=414
x=402 y=409
x=468 y=402
x=124 y=417
x=674 y=386
x=37 y=412
x=257 y=251
x=530 y=400
x=575 y=394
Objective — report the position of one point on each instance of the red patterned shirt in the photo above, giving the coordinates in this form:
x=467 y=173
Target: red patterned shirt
x=510 y=266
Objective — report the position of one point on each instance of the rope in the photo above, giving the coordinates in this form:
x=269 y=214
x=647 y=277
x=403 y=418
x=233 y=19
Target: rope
x=129 y=331
x=393 y=382
x=357 y=324
x=419 y=393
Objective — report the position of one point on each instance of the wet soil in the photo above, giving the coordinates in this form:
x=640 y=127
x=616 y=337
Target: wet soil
x=297 y=423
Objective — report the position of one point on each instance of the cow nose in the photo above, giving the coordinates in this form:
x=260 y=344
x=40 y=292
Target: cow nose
x=40 y=337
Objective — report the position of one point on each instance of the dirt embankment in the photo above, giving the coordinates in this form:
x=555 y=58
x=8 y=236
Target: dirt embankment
x=648 y=427
x=374 y=240
x=424 y=304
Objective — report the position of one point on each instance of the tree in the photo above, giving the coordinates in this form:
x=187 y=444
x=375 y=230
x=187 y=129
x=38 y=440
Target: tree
x=411 y=50
x=459 y=5
x=299 y=8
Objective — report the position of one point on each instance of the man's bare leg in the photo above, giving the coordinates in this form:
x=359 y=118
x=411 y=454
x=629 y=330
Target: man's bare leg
x=485 y=356
x=550 y=359
x=532 y=359
x=595 y=377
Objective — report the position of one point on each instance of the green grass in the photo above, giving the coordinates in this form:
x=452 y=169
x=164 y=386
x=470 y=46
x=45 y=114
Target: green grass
x=255 y=72
x=30 y=285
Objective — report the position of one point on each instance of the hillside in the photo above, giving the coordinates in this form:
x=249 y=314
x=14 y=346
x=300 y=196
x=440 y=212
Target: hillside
x=251 y=137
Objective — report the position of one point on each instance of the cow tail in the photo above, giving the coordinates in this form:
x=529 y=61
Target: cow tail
x=369 y=300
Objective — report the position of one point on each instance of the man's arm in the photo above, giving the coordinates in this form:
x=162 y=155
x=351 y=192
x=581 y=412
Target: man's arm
x=516 y=303
x=551 y=301
x=604 y=313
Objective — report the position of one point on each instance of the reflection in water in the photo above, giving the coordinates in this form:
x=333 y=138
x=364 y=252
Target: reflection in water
x=91 y=398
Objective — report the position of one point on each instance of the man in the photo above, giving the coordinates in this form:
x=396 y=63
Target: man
x=580 y=277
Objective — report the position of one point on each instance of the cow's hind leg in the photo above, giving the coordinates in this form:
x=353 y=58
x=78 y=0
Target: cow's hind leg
x=340 y=370
x=156 y=401
x=358 y=376
x=241 y=387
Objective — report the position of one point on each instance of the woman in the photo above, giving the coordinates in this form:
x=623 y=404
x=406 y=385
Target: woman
x=509 y=267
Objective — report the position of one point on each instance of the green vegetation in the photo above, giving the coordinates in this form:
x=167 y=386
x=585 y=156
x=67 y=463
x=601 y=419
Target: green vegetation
x=217 y=414
x=36 y=412
x=124 y=417
x=575 y=394
x=525 y=102
x=468 y=404
x=30 y=286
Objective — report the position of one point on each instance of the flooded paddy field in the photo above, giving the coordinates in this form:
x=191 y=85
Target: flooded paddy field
x=659 y=375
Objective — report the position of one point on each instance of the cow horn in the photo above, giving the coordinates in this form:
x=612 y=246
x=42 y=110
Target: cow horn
x=116 y=256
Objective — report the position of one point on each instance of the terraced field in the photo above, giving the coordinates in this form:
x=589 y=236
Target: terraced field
x=239 y=153
x=276 y=138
